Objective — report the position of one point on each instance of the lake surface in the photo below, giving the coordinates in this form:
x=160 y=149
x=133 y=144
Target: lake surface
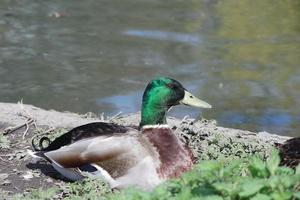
x=243 y=57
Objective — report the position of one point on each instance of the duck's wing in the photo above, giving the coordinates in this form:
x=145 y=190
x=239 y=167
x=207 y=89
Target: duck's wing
x=91 y=150
x=85 y=131
x=289 y=152
x=84 y=157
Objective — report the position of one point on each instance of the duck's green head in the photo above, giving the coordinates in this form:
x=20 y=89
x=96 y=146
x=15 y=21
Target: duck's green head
x=160 y=95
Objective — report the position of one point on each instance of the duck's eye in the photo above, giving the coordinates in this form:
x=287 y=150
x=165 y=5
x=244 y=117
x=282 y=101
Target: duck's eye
x=170 y=85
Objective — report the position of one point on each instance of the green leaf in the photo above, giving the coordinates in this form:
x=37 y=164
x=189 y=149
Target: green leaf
x=287 y=181
x=258 y=168
x=184 y=194
x=232 y=167
x=297 y=194
x=210 y=197
x=273 y=161
x=261 y=197
x=298 y=169
x=203 y=191
x=281 y=196
x=251 y=187
x=161 y=192
x=274 y=182
x=189 y=178
x=210 y=165
x=225 y=188
x=285 y=171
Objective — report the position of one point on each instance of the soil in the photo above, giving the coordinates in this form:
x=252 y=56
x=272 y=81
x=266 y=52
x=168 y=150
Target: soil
x=18 y=172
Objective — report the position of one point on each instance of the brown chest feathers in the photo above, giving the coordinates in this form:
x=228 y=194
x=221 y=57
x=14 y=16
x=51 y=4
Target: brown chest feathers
x=175 y=157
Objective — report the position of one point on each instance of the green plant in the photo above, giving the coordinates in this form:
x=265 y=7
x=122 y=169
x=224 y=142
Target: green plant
x=239 y=179
x=89 y=188
x=250 y=178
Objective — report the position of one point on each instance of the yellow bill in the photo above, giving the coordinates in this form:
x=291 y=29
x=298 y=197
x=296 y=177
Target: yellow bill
x=191 y=100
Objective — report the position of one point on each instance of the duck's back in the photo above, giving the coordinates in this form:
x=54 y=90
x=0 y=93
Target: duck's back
x=91 y=130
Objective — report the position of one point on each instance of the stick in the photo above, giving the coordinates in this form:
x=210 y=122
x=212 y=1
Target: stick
x=14 y=128
x=115 y=116
x=3 y=160
x=27 y=127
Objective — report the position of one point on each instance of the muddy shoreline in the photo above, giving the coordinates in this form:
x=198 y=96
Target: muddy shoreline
x=18 y=174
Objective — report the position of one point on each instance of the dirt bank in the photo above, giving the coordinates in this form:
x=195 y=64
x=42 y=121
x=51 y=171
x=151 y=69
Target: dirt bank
x=18 y=174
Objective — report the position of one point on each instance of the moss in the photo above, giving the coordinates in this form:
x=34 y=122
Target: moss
x=208 y=145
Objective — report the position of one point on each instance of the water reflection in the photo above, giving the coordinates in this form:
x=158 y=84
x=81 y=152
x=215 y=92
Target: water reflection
x=240 y=56
x=165 y=36
x=123 y=103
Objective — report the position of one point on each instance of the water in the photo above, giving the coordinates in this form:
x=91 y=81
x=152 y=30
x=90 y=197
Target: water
x=240 y=56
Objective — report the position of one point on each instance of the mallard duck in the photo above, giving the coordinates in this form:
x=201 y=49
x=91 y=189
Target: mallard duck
x=125 y=156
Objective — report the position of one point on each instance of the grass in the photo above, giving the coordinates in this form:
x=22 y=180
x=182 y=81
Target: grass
x=89 y=188
x=244 y=178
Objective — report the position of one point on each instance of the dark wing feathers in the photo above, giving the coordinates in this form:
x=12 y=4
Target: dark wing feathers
x=85 y=131
x=289 y=152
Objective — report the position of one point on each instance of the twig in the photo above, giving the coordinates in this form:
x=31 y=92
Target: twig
x=27 y=127
x=14 y=128
x=29 y=117
x=7 y=155
x=29 y=120
x=102 y=117
x=16 y=188
x=115 y=116
x=185 y=118
x=48 y=131
x=3 y=160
